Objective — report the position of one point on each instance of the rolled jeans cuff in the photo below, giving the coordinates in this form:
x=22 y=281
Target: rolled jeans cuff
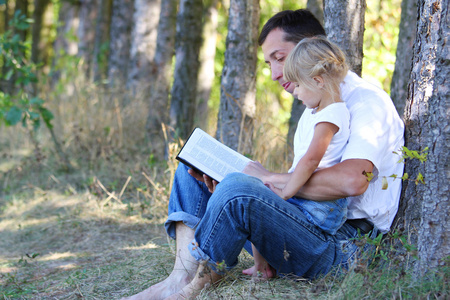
x=218 y=267
x=180 y=216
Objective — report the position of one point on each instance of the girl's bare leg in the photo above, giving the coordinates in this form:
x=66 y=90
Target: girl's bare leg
x=261 y=268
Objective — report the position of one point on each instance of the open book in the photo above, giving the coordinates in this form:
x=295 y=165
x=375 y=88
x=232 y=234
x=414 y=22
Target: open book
x=206 y=155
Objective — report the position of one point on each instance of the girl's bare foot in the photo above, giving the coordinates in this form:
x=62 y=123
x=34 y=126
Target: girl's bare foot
x=264 y=272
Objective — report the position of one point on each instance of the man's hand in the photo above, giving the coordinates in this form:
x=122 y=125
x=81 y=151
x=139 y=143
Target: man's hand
x=210 y=183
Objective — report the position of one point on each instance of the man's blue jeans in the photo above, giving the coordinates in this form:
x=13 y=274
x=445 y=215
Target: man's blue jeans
x=243 y=209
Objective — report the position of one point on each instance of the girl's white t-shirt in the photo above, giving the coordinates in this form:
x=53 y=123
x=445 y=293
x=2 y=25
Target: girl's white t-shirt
x=337 y=114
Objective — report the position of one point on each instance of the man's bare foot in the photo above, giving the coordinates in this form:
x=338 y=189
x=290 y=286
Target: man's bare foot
x=163 y=289
x=203 y=279
x=265 y=272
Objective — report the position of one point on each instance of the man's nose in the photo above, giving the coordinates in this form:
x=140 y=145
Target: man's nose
x=277 y=72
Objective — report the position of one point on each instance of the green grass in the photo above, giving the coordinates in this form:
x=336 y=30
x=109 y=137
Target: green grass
x=97 y=233
x=61 y=239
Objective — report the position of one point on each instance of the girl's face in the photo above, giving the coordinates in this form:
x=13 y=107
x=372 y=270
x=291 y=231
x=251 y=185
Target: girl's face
x=310 y=97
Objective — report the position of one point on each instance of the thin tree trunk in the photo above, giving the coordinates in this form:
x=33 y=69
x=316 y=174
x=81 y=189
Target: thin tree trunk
x=22 y=6
x=39 y=9
x=6 y=16
x=238 y=86
x=143 y=45
x=86 y=32
x=161 y=77
x=207 y=55
x=187 y=48
x=102 y=35
x=424 y=208
x=120 y=43
x=403 y=61
x=64 y=44
x=68 y=18
x=344 y=25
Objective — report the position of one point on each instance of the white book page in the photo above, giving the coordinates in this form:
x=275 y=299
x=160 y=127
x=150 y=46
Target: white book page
x=212 y=157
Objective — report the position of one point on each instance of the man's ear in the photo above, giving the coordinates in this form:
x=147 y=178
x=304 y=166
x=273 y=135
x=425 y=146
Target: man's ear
x=319 y=81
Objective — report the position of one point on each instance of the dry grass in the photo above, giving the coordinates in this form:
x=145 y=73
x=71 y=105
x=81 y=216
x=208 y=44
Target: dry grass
x=97 y=233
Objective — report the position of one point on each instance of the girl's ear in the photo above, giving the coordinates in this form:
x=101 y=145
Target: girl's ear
x=319 y=81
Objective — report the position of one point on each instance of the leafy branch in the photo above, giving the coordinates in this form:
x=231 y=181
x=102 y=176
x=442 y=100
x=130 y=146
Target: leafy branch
x=406 y=154
x=17 y=104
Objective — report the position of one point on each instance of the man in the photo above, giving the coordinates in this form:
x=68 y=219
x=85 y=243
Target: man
x=212 y=222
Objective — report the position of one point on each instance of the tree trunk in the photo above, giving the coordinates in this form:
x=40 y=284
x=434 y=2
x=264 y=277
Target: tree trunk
x=102 y=33
x=39 y=9
x=5 y=17
x=161 y=77
x=207 y=55
x=424 y=208
x=143 y=45
x=316 y=7
x=64 y=43
x=86 y=32
x=402 y=71
x=68 y=18
x=187 y=48
x=120 y=43
x=344 y=25
x=238 y=87
x=22 y=6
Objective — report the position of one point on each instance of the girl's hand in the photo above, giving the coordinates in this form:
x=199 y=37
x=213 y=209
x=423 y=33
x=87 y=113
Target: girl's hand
x=255 y=169
x=274 y=189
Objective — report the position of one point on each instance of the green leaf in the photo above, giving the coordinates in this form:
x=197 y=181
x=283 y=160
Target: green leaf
x=34 y=115
x=47 y=116
x=9 y=74
x=13 y=116
x=36 y=101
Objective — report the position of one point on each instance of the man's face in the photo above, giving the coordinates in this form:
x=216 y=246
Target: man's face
x=275 y=51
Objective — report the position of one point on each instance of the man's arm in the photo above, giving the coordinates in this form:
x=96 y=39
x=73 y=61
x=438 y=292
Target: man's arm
x=344 y=179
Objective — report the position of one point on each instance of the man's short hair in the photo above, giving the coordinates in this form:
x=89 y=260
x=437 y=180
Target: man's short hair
x=296 y=24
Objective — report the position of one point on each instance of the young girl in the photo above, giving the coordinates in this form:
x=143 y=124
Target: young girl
x=317 y=67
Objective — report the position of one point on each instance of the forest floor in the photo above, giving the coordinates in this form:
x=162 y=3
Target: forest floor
x=99 y=235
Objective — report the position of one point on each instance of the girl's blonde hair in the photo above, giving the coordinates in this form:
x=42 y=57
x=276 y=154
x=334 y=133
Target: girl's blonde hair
x=316 y=56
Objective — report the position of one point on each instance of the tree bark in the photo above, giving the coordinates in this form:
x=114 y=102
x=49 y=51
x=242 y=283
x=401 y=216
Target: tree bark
x=102 y=33
x=120 y=43
x=424 y=208
x=5 y=17
x=206 y=72
x=68 y=18
x=238 y=87
x=86 y=32
x=161 y=77
x=22 y=6
x=187 y=48
x=143 y=46
x=403 y=61
x=39 y=8
x=344 y=25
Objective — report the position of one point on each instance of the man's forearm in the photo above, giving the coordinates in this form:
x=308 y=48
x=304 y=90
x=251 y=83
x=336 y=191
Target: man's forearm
x=339 y=181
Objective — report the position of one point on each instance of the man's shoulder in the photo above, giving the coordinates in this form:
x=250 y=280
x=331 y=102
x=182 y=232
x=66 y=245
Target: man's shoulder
x=358 y=93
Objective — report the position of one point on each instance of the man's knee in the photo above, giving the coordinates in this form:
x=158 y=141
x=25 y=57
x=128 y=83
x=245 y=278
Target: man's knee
x=240 y=183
